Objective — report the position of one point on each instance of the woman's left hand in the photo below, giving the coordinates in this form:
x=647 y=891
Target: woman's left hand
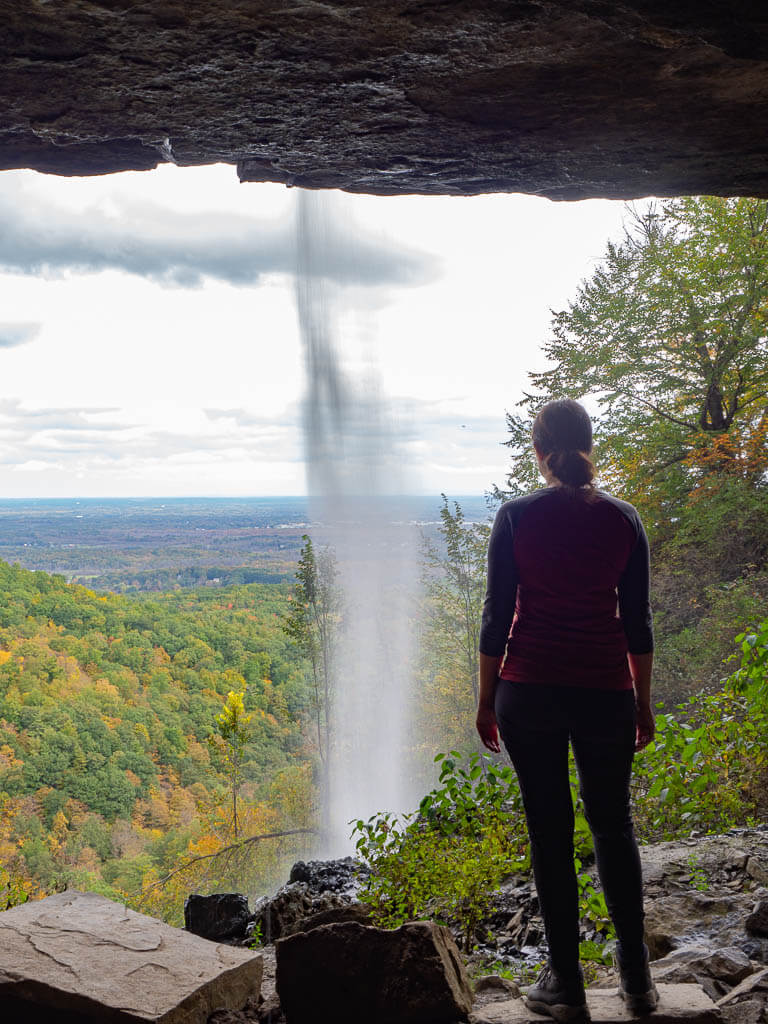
x=487 y=728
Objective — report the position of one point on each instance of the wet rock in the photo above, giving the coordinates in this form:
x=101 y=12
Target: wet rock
x=286 y=912
x=348 y=973
x=218 y=917
x=757 y=921
x=512 y=920
x=694 y=918
x=341 y=876
x=79 y=956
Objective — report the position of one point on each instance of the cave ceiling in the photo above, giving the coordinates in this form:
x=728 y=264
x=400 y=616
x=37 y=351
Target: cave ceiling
x=566 y=100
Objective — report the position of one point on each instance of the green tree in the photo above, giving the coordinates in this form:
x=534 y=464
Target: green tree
x=232 y=727
x=670 y=337
x=453 y=584
x=454 y=579
x=313 y=625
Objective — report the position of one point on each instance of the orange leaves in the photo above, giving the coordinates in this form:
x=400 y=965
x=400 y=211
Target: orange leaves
x=741 y=452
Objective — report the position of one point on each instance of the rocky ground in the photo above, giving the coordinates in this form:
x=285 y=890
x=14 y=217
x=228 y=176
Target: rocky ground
x=706 y=923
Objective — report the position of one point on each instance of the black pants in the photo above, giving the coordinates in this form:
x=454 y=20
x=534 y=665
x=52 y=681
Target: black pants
x=536 y=723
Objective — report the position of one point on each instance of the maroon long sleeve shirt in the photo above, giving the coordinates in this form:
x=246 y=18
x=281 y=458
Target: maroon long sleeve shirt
x=568 y=590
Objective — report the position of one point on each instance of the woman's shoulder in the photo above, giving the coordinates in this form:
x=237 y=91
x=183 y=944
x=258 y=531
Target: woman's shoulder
x=628 y=510
x=515 y=506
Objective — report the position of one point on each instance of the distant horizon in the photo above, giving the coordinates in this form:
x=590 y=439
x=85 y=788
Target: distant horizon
x=231 y=497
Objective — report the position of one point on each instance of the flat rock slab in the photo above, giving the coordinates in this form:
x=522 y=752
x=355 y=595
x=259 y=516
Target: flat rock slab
x=80 y=957
x=678 y=1004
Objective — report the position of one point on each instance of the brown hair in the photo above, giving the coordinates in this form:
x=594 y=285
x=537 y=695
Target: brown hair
x=562 y=434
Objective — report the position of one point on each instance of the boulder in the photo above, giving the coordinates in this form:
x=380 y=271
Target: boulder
x=218 y=917
x=350 y=973
x=694 y=963
x=492 y=988
x=80 y=957
x=358 y=912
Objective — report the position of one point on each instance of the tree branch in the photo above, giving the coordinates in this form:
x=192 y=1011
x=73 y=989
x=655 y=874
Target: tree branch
x=656 y=409
x=239 y=845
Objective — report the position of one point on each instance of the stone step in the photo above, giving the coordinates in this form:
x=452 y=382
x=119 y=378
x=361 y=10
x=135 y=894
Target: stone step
x=678 y=1004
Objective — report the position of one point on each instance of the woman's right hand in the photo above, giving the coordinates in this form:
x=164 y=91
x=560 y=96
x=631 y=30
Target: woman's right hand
x=646 y=725
x=487 y=728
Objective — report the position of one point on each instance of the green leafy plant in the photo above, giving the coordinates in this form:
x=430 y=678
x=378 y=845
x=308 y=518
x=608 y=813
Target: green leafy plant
x=696 y=875
x=705 y=769
x=751 y=677
x=446 y=861
x=256 y=941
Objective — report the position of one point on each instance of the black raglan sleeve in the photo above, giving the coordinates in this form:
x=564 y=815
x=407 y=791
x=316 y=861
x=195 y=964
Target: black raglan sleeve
x=501 y=592
x=634 y=595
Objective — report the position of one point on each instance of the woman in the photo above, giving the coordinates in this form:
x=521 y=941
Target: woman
x=566 y=649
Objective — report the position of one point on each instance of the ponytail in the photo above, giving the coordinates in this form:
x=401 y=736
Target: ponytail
x=562 y=434
x=572 y=468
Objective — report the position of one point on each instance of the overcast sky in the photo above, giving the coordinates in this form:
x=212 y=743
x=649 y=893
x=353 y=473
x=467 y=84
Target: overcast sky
x=149 y=342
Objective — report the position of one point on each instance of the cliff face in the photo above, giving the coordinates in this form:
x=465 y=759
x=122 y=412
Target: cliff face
x=566 y=99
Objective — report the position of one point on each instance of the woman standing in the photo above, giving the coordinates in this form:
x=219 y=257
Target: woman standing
x=566 y=650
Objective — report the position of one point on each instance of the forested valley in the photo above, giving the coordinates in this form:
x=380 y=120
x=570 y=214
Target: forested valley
x=149 y=741
x=112 y=763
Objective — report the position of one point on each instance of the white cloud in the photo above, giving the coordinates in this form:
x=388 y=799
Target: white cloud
x=13 y=334
x=134 y=387
x=39 y=235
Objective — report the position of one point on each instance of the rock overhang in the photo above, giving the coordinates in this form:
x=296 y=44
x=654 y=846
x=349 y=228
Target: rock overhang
x=569 y=99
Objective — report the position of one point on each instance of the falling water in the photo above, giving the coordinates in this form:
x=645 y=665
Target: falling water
x=352 y=476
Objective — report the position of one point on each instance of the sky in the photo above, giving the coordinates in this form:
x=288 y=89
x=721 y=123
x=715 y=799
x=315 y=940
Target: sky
x=149 y=342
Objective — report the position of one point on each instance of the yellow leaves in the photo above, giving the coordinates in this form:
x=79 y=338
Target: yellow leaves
x=60 y=826
x=8 y=759
x=141 y=730
x=4 y=657
x=104 y=686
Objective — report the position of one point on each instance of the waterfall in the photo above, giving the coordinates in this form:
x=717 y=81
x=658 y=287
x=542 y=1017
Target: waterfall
x=353 y=471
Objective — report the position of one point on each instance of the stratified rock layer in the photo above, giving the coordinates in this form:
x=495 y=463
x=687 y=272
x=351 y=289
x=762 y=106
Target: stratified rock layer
x=565 y=98
x=80 y=957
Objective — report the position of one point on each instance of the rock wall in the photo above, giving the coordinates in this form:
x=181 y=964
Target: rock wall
x=566 y=99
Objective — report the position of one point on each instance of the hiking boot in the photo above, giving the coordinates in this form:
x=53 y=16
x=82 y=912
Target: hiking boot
x=636 y=986
x=554 y=996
